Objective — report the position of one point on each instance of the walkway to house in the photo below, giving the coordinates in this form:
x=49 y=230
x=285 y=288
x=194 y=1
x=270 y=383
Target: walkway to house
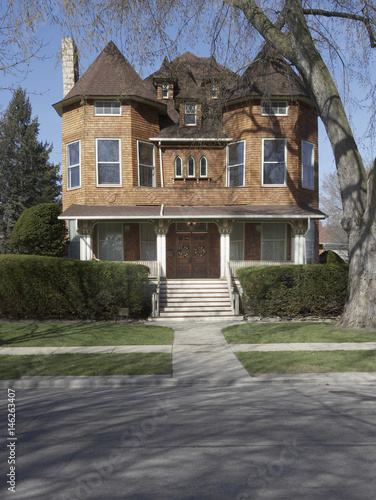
x=200 y=355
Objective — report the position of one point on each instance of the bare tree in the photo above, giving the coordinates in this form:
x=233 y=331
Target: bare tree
x=331 y=205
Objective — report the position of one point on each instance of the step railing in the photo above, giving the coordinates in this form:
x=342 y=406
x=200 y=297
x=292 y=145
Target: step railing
x=234 y=295
x=155 y=298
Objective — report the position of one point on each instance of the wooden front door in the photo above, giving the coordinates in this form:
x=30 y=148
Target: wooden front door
x=191 y=255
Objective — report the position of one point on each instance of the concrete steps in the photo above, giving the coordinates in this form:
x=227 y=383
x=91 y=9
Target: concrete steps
x=205 y=299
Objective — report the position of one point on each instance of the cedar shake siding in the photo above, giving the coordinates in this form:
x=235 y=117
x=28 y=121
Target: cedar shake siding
x=192 y=143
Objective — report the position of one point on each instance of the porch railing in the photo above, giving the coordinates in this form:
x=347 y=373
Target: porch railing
x=153 y=265
x=235 y=264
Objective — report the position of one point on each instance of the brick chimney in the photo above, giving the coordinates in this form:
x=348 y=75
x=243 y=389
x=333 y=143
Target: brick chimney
x=70 y=64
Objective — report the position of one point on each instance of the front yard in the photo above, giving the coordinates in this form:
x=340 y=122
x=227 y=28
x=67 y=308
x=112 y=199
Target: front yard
x=27 y=334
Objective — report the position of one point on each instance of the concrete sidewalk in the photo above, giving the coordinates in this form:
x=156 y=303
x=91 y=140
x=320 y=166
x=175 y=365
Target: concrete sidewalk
x=200 y=355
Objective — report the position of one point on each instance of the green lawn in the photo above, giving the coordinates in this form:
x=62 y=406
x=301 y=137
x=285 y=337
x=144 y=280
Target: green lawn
x=308 y=362
x=271 y=333
x=14 y=367
x=82 y=334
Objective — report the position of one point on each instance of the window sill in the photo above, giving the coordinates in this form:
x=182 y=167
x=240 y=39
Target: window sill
x=191 y=179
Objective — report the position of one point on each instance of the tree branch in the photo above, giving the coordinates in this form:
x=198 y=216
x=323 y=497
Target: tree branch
x=346 y=15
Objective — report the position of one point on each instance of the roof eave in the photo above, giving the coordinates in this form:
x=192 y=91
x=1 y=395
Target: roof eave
x=162 y=106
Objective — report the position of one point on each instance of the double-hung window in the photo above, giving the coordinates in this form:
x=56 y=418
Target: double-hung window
x=108 y=162
x=165 y=90
x=273 y=242
x=274 y=162
x=73 y=165
x=146 y=164
x=110 y=241
x=107 y=108
x=190 y=114
x=308 y=165
x=148 y=246
x=237 y=242
x=235 y=164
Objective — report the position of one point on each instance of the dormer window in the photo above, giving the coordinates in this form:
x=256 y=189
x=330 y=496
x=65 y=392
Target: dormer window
x=214 y=91
x=190 y=114
x=165 y=90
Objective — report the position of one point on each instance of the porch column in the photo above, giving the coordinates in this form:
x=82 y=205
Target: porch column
x=161 y=230
x=85 y=231
x=299 y=231
x=224 y=229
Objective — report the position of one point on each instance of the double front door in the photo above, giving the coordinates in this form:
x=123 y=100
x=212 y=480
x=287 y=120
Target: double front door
x=191 y=255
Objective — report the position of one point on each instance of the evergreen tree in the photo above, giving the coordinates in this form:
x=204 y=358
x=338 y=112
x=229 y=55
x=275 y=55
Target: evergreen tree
x=27 y=178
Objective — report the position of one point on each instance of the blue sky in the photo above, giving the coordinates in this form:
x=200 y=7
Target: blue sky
x=45 y=87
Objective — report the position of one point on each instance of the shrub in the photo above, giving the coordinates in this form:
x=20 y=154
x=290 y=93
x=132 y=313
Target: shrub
x=48 y=287
x=38 y=231
x=294 y=289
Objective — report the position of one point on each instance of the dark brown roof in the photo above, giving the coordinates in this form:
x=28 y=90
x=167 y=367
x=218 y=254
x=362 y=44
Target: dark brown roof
x=270 y=75
x=254 y=212
x=110 y=75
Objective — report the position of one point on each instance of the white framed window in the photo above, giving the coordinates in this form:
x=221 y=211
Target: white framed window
x=178 y=167
x=190 y=114
x=274 y=108
x=74 y=165
x=146 y=164
x=274 y=162
x=108 y=162
x=235 y=164
x=214 y=91
x=308 y=165
x=237 y=241
x=148 y=242
x=107 y=108
x=203 y=166
x=165 y=90
x=110 y=241
x=191 y=167
x=273 y=242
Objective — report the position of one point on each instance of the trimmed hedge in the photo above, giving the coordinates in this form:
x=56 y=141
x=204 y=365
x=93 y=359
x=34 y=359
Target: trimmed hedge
x=294 y=290
x=36 y=287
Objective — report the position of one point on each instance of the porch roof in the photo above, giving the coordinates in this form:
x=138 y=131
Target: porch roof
x=246 y=212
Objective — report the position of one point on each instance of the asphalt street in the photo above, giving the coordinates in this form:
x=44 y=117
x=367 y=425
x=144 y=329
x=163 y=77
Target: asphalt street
x=247 y=441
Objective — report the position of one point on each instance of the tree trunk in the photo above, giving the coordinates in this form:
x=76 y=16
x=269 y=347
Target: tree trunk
x=358 y=198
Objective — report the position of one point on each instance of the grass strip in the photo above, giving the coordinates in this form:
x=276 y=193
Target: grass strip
x=82 y=334
x=276 y=333
x=14 y=367
x=308 y=362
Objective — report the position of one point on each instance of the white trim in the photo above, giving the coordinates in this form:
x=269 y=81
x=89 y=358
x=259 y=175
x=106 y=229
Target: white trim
x=109 y=102
x=303 y=142
x=232 y=166
x=251 y=218
x=181 y=166
x=194 y=139
x=154 y=178
x=190 y=114
x=274 y=239
x=194 y=166
x=120 y=184
x=271 y=102
x=262 y=161
x=75 y=165
x=199 y=167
